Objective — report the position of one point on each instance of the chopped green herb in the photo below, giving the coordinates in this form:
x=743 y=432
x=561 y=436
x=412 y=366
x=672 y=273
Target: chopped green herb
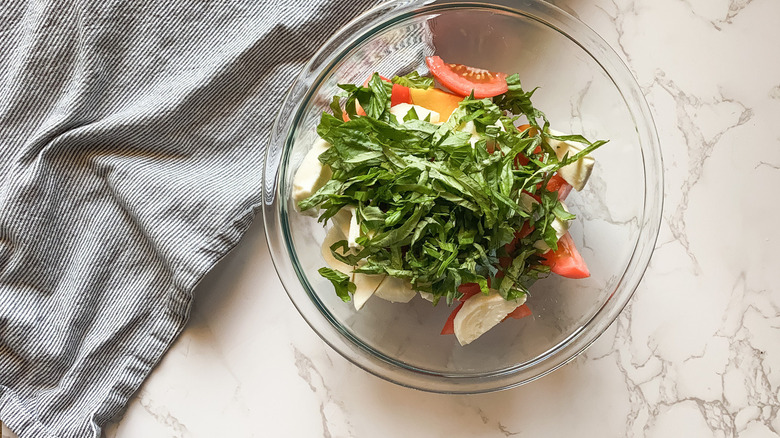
x=414 y=80
x=435 y=209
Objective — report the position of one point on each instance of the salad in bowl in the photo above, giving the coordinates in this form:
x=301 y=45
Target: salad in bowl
x=450 y=187
x=444 y=226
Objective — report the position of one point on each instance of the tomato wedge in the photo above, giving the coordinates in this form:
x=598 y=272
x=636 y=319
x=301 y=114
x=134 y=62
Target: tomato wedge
x=400 y=94
x=566 y=261
x=525 y=230
x=522 y=160
x=468 y=290
x=462 y=79
x=449 y=325
x=520 y=312
x=558 y=184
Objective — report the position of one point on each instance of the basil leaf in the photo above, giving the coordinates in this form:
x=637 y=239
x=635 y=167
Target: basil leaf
x=413 y=80
x=340 y=281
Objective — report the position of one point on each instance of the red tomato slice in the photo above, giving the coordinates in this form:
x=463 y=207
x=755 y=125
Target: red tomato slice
x=520 y=312
x=468 y=290
x=566 y=261
x=449 y=326
x=558 y=184
x=525 y=230
x=462 y=79
x=400 y=94
x=522 y=160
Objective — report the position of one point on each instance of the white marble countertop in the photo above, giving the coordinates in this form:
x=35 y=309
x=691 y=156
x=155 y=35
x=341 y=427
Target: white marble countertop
x=696 y=353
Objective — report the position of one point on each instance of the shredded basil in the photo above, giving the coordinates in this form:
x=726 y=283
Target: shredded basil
x=435 y=210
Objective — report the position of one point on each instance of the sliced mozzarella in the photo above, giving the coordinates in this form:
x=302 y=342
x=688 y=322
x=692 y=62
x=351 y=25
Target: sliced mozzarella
x=365 y=286
x=400 y=111
x=343 y=219
x=346 y=220
x=471 y=129
x=311 y=175
x=576 y=173
x=354 y=230
x=560 y=227
x=480 y=313
x=426 y=296
x=395 y=290
x=334 y=235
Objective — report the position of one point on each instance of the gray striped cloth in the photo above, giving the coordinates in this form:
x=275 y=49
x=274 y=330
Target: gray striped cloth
x=131 y=139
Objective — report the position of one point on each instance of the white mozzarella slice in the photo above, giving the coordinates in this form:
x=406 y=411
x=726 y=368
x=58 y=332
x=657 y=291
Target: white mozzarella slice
x=342 y=220
x=472 y=130
x=311 y=175
x=333 y=235
x=354 y=230
x=346 y=220
x=480 y=313
x=427 y=296
x=576 y=173
x=365 y=286
x=395 y=290
x=400 y=111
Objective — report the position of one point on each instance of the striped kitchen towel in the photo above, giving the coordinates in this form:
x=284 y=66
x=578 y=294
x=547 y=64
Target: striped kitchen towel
x=131 y=140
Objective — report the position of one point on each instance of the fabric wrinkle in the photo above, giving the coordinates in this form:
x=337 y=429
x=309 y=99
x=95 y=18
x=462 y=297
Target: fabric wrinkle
x=131 y=138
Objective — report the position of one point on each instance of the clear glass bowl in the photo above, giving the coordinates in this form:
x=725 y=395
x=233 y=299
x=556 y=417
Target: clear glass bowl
x=583 y=88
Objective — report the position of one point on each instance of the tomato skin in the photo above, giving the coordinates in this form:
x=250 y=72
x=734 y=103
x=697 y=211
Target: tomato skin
x=522 y=160
x=462 y=80
x=558 y=184
x=468 y=290
x=525 y=230
x=566 y=261
x=520 y=312
x=449 y=325
x=400 y=94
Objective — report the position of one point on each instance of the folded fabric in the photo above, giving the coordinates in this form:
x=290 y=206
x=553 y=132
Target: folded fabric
x=131 y=141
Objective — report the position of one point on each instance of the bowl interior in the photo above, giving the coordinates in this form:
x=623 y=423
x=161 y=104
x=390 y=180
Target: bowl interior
x=578 y=95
